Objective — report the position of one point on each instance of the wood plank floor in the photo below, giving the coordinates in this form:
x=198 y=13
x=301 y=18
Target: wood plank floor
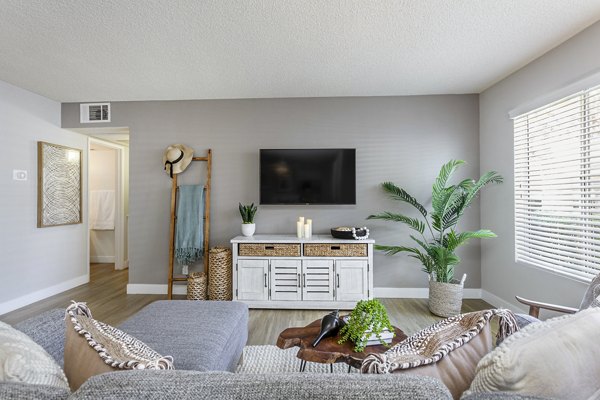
x=107 y=298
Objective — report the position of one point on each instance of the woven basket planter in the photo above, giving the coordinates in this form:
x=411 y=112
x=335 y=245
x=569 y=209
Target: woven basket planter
x=445 y=299
x=197 y=286
x=219 y=271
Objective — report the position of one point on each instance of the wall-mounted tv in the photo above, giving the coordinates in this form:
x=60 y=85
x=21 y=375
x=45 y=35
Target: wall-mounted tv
x=308 y=176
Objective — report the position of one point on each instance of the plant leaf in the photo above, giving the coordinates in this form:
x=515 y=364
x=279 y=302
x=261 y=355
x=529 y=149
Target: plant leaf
x=414 y=223
x=456 y=240
x=400 y=194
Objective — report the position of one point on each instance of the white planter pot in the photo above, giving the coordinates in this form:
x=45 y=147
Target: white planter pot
x=248 y=229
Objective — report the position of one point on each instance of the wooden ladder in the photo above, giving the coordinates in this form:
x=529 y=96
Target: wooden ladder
x=174 y=191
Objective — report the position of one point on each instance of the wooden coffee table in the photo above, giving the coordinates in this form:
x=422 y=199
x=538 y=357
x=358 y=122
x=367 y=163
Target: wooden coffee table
x=328 y=351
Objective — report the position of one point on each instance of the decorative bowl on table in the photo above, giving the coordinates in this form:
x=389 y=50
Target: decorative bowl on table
x=344 y=232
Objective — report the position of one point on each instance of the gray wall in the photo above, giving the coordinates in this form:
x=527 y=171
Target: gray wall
x=35 y=262
x=501 y=276
x=402 y=139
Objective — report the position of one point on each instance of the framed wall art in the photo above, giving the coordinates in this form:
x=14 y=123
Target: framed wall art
x=59 y=185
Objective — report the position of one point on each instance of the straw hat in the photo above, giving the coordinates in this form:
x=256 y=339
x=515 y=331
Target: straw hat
x=176 y=158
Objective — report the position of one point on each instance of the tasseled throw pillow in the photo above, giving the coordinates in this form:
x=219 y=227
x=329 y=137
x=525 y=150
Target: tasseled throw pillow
x=448 y=350
x=93 y=347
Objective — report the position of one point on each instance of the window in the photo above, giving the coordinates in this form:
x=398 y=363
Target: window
x=557 y=186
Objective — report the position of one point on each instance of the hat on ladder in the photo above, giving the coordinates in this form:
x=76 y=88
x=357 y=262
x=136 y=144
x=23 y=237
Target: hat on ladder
x=176 y=158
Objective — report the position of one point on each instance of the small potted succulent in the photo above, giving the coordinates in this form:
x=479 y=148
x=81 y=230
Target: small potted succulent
x=367 y=324
x=247 y=212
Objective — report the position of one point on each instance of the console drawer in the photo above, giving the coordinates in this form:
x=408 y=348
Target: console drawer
x=269 y=249
x=335 y=250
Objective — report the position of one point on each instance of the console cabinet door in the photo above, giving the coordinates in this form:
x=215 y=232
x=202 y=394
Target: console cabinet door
x=351 y=280
x=253 y=279
x=317 y=280
x=285 y=279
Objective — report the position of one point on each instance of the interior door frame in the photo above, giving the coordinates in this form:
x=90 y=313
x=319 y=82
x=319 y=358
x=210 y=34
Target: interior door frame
x=120 y=217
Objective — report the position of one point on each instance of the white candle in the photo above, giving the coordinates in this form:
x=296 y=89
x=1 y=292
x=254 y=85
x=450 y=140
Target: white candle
x=309 y=223
x=299 y=229
x=307 y=231
x=301 y=220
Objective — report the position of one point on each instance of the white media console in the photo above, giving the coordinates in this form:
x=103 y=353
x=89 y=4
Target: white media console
x=282 y=271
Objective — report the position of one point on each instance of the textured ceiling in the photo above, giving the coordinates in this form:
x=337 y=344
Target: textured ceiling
x=81 y=50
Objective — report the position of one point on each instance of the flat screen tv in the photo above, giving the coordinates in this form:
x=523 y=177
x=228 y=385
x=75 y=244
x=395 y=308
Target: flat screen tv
x=308 y=176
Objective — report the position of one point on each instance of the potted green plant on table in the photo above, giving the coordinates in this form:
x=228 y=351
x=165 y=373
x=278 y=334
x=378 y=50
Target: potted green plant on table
x=436 y=248
x=367 y=323
x=247 y=212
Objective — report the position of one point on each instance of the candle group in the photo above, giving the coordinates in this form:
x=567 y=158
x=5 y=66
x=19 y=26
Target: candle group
x=304 y=230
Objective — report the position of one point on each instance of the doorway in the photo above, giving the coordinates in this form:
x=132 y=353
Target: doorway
x=108 y=199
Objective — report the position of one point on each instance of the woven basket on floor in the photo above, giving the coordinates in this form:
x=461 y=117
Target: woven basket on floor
x=445 y=299
x=197 y=286
x=219 y=271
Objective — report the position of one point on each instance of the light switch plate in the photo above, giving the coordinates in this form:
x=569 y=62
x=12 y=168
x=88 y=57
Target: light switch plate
x=19 y=175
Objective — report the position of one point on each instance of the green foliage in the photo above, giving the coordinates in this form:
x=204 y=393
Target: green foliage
x=247 y=212
x=368 y=315
x=449 y=203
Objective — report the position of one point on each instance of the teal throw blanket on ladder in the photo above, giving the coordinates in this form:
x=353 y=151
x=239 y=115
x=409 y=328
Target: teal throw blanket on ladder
x=189 y=230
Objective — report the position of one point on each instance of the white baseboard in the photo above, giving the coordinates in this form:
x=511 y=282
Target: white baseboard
x=501 y=303
x=102 y=259
x=42 y=294
x=143 y=288
x=417 y=293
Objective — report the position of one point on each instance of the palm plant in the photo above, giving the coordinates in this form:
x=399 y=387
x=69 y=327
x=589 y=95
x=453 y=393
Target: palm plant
x=449 y=203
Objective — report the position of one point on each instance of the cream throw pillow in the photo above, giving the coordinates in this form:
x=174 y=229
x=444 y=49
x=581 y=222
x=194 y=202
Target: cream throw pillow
x=558 y=358
x=23 y=360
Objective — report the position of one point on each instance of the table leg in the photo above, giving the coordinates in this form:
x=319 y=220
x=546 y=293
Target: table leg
x=302 y=365
x=349 y=368
x=331 y=368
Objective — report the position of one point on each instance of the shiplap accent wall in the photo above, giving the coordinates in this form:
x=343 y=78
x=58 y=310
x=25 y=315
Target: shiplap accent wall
x=402 y=139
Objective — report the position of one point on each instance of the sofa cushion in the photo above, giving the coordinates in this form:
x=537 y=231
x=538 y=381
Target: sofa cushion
x=448 y=350
x=218 y=385
x=24 y=361
x=556 y=358
x=28 y=391
x=48 y=330
x=200 y=335
x=93 y=347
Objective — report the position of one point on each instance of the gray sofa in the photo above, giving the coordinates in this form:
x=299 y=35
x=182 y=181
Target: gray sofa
x=206 y=340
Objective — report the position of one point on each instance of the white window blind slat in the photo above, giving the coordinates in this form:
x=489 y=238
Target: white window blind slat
x=557 y=185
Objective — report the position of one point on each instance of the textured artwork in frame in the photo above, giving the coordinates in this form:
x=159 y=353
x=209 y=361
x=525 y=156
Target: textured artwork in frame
x=59 y=185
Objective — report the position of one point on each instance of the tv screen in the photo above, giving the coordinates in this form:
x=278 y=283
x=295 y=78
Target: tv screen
x=308 y=176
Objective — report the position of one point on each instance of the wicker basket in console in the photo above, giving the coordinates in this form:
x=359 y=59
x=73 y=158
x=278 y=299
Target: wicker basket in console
x=269 y=249
x=335 y=250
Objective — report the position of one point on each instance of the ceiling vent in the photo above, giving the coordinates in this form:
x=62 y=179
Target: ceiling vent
x=94 y=112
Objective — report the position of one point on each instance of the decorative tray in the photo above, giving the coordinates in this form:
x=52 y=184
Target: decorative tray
x=344 y=232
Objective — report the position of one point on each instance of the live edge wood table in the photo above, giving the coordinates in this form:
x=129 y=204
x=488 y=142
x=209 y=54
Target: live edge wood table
x=328 y=351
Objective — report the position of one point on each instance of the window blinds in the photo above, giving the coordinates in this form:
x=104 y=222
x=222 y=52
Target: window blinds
x=557 y=186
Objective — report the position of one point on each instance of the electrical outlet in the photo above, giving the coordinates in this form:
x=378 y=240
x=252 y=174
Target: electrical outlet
x=19 y=175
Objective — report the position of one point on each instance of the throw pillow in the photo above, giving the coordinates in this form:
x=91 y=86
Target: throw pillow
x=93 y=347
x=23 y=360
x=448 y=350
x=557 y=358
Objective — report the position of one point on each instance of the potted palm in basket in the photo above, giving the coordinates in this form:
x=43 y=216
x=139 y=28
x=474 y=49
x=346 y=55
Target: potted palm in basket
x=437 y=238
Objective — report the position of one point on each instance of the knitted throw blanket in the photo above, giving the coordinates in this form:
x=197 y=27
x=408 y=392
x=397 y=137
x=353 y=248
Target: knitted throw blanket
x=189 y=230
x=431 y=344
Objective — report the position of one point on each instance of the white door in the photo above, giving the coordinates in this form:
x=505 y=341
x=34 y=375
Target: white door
x=317 y=280
x=285 y=280
x=351 y=280
x=253 y=279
